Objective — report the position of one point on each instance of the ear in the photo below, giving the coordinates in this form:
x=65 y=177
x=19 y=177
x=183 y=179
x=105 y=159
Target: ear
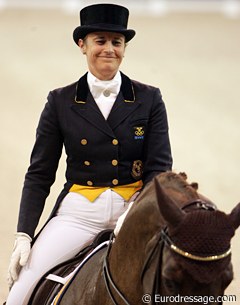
x=172 y=214
x=82 y=46
x=234 y=216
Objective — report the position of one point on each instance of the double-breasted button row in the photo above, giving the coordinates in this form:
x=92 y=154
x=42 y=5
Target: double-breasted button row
x=84 y=142
x=114 y=182
x=114 y=162
x=88 y=163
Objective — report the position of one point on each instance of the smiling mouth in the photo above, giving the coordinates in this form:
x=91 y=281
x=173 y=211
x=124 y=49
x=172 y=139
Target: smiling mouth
x=108 y=57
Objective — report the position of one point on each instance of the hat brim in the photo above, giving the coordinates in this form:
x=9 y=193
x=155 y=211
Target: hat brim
x=81 y=31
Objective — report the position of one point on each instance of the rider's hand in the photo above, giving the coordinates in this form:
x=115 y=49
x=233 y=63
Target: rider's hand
x=19 y=256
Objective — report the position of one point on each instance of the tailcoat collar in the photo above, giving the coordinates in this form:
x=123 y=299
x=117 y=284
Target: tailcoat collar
x=82 y=90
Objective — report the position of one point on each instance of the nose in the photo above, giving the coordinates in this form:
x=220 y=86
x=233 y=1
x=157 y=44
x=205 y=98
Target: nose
x=109 y=47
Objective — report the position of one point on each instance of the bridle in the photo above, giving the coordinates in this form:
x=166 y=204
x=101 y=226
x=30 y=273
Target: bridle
x=162 y=239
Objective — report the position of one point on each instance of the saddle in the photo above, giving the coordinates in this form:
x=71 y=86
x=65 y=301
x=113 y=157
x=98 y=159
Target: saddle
x=50 y=288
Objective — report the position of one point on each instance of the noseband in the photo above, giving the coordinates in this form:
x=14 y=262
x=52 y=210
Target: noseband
x=162 y=240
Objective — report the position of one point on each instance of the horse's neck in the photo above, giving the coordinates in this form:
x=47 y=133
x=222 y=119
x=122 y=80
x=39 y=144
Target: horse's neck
x=142 y=222
x=128 y=253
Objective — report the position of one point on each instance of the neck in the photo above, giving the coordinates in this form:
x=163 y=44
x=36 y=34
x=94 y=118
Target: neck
x=134 y=236
x=103 y=76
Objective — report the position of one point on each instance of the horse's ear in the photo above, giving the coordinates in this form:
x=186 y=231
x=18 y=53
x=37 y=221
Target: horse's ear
x=171 y=213
x=235 y=216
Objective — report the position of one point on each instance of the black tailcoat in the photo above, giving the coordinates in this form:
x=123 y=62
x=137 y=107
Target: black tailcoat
x=132 y=144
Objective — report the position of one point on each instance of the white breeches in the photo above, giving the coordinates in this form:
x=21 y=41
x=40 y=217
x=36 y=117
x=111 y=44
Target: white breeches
x=76 y=224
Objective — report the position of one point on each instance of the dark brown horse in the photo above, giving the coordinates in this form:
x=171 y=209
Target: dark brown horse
x=173 y=244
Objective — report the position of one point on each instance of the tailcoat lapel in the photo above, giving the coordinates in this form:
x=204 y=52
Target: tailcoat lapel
x=125 y=103
x=122 y=108
x=90 y=112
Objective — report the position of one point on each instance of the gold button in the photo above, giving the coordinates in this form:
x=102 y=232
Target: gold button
x=115 y=142
x=90 y=183
x=114 y=162
x=115 y=182
x=87 y=163
x=84 y=142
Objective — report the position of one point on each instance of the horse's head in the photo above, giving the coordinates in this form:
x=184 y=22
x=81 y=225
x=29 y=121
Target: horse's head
x=196 y=258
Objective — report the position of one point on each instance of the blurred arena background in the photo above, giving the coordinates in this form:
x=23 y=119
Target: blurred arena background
x=189 y=49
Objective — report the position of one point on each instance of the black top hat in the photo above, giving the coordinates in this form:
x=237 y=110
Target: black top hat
x=103 y=18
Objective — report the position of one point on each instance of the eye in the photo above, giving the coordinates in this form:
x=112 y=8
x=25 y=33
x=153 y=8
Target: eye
x=117 y=43
x=100 y=41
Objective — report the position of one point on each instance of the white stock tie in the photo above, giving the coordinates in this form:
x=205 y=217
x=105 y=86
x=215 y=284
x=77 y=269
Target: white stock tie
x=105 y=93
x=105 y=88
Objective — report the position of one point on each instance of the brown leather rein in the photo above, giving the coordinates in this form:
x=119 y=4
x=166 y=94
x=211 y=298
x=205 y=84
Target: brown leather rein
x=163 y=239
